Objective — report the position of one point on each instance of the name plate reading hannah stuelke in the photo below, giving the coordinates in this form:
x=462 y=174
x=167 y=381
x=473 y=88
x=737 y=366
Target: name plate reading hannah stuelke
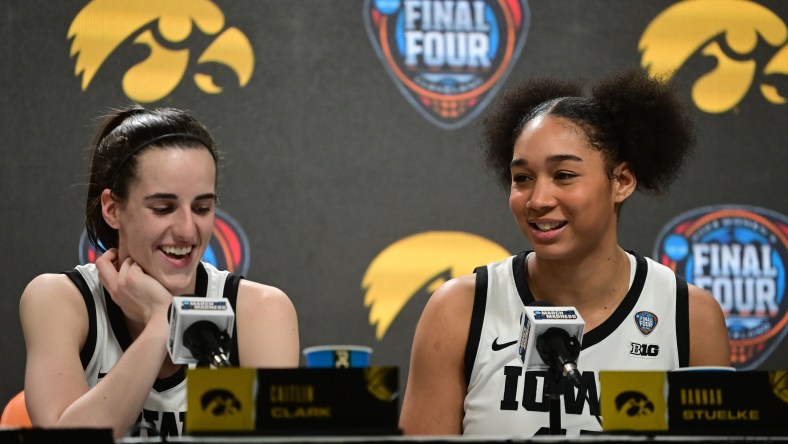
x=696 y=401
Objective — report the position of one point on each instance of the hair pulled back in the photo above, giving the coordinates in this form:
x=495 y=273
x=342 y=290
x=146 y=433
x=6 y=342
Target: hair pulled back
x=122 y=135
x=629 y=117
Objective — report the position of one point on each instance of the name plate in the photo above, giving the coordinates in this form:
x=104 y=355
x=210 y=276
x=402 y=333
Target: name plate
x=352 y=401
x=729 y=403
x=696 y=402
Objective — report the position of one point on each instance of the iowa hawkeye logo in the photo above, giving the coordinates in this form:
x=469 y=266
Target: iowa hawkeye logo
x=747 y=41
x=738 y=254
x=420 y=264
x=448 y=57
x=170 y=32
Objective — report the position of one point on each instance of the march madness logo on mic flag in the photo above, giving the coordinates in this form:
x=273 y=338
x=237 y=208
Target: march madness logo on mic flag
x=738 y=254
x=228 y=248
x=448 y=57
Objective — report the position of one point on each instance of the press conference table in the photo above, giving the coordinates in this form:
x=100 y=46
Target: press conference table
x=90 y=436
x=590 y=439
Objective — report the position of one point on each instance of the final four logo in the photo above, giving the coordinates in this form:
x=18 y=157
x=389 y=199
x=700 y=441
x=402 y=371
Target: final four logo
x=228 y=248
x=738 y=254
x=448 y=57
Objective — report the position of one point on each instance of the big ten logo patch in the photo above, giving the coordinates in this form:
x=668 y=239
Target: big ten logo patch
x=228 y=248
x=178 y=36
x=738 y=254
x=419 y=264
x=643 y=350
x=448 y=57
x=746 y=41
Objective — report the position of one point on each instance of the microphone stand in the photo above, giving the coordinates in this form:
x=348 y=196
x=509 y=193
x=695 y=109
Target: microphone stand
x=555 y=386
x=559 y=351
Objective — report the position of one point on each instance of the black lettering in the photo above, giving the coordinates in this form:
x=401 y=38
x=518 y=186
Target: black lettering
x=586 y=393
x=643 y=349
x=512 y=374
x=151 y=423
x=149 y=420
x=532 y=381
x=169 y=425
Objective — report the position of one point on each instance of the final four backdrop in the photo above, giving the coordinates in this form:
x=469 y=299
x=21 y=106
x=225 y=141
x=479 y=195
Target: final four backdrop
x=350 y=129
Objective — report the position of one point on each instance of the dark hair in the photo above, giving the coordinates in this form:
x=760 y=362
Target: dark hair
x=123 y=134
x=629 y=117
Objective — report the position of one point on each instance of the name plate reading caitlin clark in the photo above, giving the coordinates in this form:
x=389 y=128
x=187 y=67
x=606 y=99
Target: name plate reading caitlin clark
x=322 y=401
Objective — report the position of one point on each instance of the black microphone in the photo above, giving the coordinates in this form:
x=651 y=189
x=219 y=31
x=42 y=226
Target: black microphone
x=209 y=345
x=560 y=351
x=200 y=330
x=556 y=333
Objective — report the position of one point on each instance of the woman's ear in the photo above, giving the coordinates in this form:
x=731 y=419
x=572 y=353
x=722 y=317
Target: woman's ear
x=109 y=209
x=624 y=182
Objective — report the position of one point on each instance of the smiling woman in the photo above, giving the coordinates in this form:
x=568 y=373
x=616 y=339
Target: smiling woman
x=569 y=162
x=96 y=335
x=168 y=217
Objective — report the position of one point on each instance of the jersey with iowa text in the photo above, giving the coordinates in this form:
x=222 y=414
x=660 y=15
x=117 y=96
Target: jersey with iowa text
x=648 y=331
x=163 y=411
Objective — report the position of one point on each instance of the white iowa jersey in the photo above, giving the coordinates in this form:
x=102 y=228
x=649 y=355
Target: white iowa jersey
x=163 y=412
x=648 y=331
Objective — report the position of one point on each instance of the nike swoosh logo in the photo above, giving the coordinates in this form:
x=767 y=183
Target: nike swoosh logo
x=496 y=346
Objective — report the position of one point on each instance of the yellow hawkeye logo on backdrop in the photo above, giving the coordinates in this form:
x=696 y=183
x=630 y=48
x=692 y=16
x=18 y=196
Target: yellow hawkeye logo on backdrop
x=163 y=27
x=730 y=32
x=421 y=263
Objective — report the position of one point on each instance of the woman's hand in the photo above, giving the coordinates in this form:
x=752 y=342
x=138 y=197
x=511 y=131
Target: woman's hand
x=139 y=296
x=55 y=322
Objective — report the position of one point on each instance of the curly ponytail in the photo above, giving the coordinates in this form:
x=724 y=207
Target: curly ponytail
x=629 y=117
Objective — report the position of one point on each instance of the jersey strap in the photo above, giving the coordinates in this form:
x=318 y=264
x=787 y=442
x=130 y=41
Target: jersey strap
x=231 y=293
x=682 y=321
x=89 y=349
x=477 y=319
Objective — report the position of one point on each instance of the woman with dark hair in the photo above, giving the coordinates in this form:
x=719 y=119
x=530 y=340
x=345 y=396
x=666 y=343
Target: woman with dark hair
x=96 y=335
x=569 y=162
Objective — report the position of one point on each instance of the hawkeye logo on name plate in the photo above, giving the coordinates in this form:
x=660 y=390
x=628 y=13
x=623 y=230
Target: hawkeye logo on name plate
x=448 y=57
x=220 y=399
x=738 y=254
x=633 y=400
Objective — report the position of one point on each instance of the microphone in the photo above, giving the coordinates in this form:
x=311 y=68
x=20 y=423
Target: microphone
x=200 y=331
x=556 y=333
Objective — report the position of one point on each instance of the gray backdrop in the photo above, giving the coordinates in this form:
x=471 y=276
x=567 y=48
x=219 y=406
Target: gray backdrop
x=327 y=164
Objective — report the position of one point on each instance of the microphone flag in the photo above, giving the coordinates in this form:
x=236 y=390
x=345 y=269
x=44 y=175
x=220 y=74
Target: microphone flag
x=188 y=310
x=535 y=321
